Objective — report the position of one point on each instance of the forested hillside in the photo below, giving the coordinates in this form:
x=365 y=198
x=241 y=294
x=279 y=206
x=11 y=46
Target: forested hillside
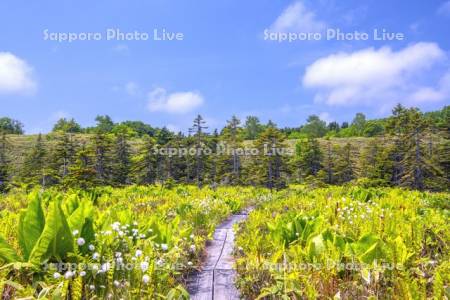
x=409 y=149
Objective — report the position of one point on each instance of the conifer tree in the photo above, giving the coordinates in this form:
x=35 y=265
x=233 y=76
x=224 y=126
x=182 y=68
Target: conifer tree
x=231 y=143
x=309 y=157
x=82 y=172
x=329 y=158
x=35 y=168
x=199 y=143
x=270 y=163
x=121 y=162
x=102 y=147
x=345 y=165
x=145 y=166
x=63 y=156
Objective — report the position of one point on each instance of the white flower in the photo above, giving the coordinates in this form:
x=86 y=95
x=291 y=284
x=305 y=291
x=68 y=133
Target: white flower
x=189 y=263
x=164 y=247
x=191 y=236
x=144 y=266
x=192 y=248
x=118 y=254
x=75 y=232
x=142 y=236
x=82 y=273
x=68 y=275
x=80 y=241
x=160 y=262
x=120 y=232
x=119 y=260
x=145 y=279
x=91 y=247
x=115 y=226
x=56 y=275
x=106 y=266
x=95 y=256
x=116 y=283
x=92 y=287
x=138 y=253
x=95 y=268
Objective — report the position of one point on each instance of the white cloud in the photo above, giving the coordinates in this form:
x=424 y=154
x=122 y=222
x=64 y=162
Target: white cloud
x=297 y=18
x=444 y=9
x=372 y=76
x=177 y=103
x=15 y=75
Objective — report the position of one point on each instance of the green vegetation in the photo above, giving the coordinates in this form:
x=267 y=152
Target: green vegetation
x=134 y=242
x=346 y=243
x=411 y=150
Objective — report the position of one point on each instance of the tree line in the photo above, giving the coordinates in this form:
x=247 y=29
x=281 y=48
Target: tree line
x=410 y=150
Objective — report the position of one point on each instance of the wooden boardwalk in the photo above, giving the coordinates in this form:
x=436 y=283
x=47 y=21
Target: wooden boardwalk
x=215 y=281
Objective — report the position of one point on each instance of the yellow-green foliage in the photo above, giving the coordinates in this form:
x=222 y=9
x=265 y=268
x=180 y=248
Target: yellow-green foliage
x=132 y=242
x=348 y=243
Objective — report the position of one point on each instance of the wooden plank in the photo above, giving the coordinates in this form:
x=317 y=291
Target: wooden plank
x=224 y=287
x=215 y=281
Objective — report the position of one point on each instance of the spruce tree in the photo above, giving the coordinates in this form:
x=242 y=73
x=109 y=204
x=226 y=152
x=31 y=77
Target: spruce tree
x=309 y=158
x=121 y=163
x=145 y=166
x=63 y=156
x=82 y=172
x=102 y=147
x=269 y=166
x=229 y=158
x=199 y=143
x=35 y=168
x=345 y=165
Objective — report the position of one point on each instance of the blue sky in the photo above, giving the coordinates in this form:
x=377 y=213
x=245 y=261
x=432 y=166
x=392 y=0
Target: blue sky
x=223 y=65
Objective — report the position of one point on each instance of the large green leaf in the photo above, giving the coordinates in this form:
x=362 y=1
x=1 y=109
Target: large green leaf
x=79 y=216
x=7 y=253
x=375 y=252
x=56 y=239
x=32 y=222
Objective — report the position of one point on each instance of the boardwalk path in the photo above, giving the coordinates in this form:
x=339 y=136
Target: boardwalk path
x=215 y=281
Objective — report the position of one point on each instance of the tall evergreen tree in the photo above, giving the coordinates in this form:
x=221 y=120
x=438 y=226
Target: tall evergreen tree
x=231 y=143
x=269 y=165
x=63 y=156
x=345 y=165
x=199 y=143
x=103 y=157
x=121 y=162
x=412 y=164
x=309 y=158
x=35 y=168
x=145 y=166
x=82 y=172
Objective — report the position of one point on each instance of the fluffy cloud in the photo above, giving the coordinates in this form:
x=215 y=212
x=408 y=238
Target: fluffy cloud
x=176 y=103
x=297 y=18
x=15 y=75
x=373 y=76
